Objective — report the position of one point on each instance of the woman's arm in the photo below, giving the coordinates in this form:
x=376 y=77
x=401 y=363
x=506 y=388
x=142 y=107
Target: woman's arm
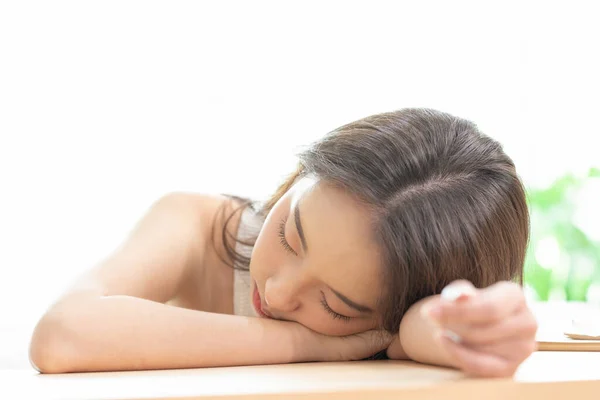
x=128 y=333
x=484 y=332
x=114 y=318
x=419 y=337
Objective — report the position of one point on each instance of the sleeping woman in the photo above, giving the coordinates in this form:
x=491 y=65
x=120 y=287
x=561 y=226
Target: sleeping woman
x=400 y=235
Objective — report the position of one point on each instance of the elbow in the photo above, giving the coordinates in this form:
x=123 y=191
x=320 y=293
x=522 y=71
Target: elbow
x=418 y=337
x=51 y=347
x=410 y=346
x=413 y=333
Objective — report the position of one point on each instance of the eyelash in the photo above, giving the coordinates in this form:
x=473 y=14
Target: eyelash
x=282 y=239
x=331 y=312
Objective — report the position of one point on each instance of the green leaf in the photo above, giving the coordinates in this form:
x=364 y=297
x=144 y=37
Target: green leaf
x=552 y=212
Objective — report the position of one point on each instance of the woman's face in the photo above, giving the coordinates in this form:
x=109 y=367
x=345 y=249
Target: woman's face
x=315 y=261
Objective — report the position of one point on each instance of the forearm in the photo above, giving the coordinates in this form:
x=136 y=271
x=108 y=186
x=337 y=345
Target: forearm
x=418 y=337
x=126 y=333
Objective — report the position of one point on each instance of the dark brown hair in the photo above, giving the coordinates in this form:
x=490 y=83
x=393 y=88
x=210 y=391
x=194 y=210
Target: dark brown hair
x=446 y=201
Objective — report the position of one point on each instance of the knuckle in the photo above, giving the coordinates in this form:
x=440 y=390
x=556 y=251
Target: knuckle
x=530 y=327
x=475 y=336
x=530 y=347
x=490 y=310
x=488 y=335
x=522 y=351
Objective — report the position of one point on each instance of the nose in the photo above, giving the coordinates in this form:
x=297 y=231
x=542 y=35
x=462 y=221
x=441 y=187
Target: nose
x=282 y=292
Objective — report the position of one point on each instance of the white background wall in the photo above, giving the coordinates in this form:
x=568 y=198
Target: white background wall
x=106 y=105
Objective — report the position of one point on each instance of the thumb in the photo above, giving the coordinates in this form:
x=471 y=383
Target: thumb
x=458 y=290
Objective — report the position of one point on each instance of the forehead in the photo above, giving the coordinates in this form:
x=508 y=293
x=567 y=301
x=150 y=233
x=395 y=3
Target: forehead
x=339 y=235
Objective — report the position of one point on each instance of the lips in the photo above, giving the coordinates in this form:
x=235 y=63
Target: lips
x=257 y=303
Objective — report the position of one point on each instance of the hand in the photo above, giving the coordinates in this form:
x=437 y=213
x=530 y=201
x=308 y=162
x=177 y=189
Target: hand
x=355 y=347
x=318 y=347
x=488 y=332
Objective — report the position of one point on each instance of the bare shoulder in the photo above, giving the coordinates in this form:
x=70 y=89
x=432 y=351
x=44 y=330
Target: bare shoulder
x=216 y=216
x=169 y=248
x=210 y=283
x=213 y=212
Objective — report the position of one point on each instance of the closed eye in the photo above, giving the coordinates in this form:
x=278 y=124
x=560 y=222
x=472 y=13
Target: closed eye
x=333 y=314
x=282 y=238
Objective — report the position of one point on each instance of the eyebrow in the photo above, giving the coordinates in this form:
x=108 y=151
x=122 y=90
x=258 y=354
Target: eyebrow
x=352 y=304
x=299 y=228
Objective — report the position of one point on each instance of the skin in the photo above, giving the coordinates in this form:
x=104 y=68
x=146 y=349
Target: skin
x=294 y=280
x=167 y=278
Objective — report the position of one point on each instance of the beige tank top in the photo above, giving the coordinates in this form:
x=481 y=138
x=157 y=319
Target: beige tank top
x=249 y=227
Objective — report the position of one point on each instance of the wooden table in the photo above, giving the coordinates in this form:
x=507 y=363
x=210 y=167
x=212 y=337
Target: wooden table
x=545 y=375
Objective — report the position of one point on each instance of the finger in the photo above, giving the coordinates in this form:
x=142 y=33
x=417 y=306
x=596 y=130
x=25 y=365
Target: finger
x=488 y=305
x=353 y=347
x=519 y=326
x=513 y=350
x=369 y=342
x=479 y=364
x=457 y=291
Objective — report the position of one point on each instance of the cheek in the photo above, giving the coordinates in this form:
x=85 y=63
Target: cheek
x=264 y=256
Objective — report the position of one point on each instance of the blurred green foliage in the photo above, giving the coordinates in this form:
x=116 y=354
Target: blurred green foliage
x=562 y=261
